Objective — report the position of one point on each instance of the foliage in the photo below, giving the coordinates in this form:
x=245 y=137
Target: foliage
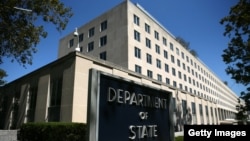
x=186 y=44
x=179 y=138
x=193 y=52
x=19 y=29
x=237 y=54
x=2 y=75
x=183 y=42
x=242 y=110
x=53 y=131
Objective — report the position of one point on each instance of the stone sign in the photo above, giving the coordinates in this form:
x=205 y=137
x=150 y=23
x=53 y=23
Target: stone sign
x=121 y=110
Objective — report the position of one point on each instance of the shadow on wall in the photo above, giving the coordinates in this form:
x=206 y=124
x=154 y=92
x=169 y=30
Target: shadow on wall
x=182 y=114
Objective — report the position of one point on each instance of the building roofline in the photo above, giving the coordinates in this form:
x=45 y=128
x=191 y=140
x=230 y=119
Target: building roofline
x=198 y=59
x=156 y=21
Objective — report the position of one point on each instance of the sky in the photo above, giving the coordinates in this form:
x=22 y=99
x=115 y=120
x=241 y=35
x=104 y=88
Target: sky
x=196 y=21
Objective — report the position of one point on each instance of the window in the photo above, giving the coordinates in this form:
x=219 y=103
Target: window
x=177 y=51
x=178 y=63
x=174 y=84
x=193 y=82
x=193 y=111
x=81 y=37
x=103 y=41
x=56 y=91
x=71 y=43
x=138 y=69
x=165 y=54
x=157 y=49
x=136 y=20
x=166 y=68
x=103 y=55
x=174 y=105
x=179 y=74
x=215 y=112
x=207 y=114
x=149 y=58
x=186 y=88
x=147 y=28
x=180 y=86
x=158 y=63
x=206 y=110
x=173 y=72
x=150 y=74
x=171 y=46
x=137 y=52
x=91 y=32
x=189 y=80
x=193 y=108
x=183 y=66
x=172 y=58
x=55 y=98
x=104 y=25
x=200 y=108
x=90 y=46
x=148 y=43
x=185 y=77
x=167 y=81
x=212 y=114
x=137 y=35
x=182 y=55
x=159 y=77
x=32 y=103
x=164 y=40
x=187 y=59
x=184 y=107
x=156 y=35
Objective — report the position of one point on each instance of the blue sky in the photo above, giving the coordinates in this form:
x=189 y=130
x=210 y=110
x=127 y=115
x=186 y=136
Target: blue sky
x=196 y=21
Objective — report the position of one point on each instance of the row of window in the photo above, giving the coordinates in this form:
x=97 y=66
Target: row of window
x=192 y=111
x=90 y=45
x=148 y=29
x=207 y=78
x=138 y=69
x=157 y=37
x=91 y=33
x=158 y=51
x=220 y=114
x=137 y=53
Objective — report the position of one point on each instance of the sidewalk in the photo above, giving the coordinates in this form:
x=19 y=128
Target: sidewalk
x=8 y=135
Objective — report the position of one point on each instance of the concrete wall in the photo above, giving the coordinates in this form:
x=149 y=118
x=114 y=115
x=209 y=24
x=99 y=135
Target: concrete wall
x=116 y=32
x=74 y=68
x=8 y=135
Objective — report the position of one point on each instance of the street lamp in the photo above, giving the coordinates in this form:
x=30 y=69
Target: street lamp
x=22 y=9
x=77 y=35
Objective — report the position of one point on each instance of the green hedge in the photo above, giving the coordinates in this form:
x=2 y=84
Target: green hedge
x=179 y=138
x=53 y=131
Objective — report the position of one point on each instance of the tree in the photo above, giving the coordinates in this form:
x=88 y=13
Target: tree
x=183 y=42
x=2 y=75
x=19 y=35
x=193 y=52
x=237 y=54
x=186 y=44
x=242 y=111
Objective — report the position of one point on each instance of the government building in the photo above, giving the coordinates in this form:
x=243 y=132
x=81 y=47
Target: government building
x=126 y=42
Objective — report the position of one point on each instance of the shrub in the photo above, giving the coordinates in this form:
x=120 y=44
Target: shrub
x=179 y=138
x=53 y=131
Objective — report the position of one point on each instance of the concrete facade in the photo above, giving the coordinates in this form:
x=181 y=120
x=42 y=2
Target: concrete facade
x=138 y=42
x=128 y=42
